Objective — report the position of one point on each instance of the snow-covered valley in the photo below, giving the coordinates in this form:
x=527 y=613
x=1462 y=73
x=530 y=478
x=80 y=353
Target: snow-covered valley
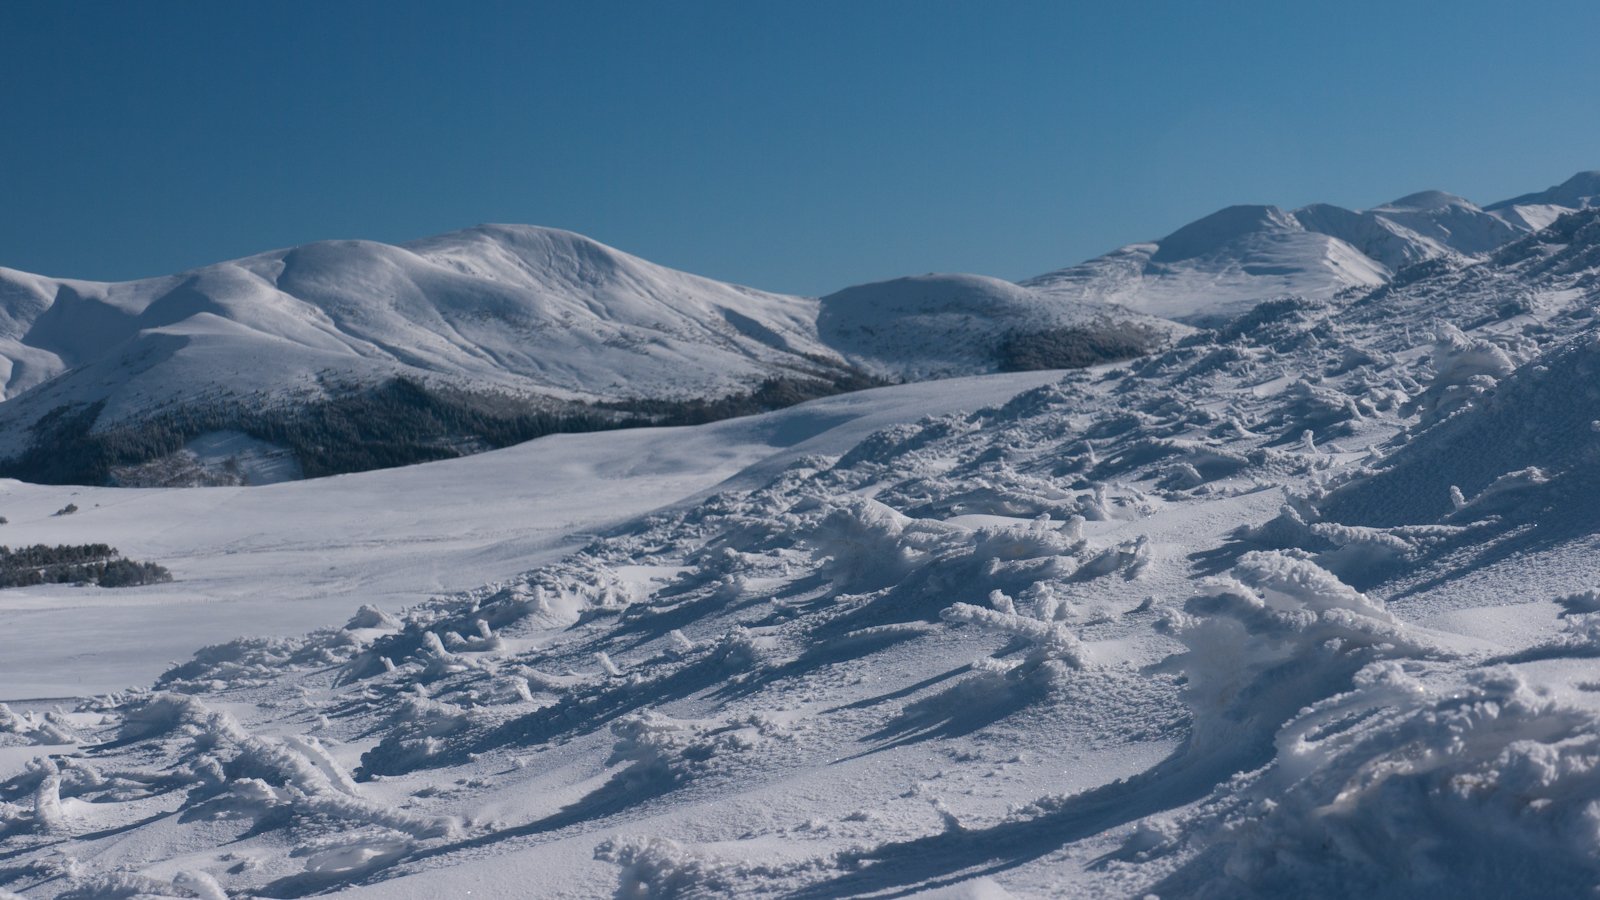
x=1303 y=604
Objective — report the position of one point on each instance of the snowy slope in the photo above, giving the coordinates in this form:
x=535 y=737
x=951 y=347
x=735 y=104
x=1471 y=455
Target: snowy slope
x=1227 y=262
x=512 y=307
x=278 y=560
x=931 y=326
x=1539 y=209
x=521 y=320
x=1303 y=605
x=1221 y=264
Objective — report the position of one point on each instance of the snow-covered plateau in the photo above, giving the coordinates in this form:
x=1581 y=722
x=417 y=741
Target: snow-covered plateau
x=1303 y=603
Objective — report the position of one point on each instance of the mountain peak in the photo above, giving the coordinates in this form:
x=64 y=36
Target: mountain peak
x=1580 y=191
x=1221 y=228
x=509 y=235
x=1582 y=186
x=1428 y=200
x=511 y=232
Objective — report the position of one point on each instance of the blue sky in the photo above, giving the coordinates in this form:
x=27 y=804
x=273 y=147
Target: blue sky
x=800 y=146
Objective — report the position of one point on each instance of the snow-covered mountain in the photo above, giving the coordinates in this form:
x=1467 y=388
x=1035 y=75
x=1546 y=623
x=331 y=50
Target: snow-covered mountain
x=496 y=333
x=932 y=326
x=1305 y=604
x=1233 y=259
x=1539 y=209
x=520 y=309
x=347 y=355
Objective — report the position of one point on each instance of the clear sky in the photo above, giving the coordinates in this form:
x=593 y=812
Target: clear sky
x=799 y=146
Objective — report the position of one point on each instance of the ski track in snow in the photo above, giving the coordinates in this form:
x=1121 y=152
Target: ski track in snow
x=1302 y=606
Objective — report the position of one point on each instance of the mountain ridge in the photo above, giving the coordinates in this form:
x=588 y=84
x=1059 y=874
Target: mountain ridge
x=503 y=332
x=1222 y=263
x=1303 y=604
x=515 y=330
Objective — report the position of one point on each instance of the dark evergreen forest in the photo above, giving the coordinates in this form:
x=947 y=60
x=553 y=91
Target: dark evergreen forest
x=75 y=563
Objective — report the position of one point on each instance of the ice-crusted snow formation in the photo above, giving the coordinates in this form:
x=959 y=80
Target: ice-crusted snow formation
x=1396 y=789
x=1301 y=606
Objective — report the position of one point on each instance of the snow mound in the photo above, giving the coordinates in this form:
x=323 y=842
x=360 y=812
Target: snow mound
x=939 y=325
x=1280 y=634
x=1397 y=789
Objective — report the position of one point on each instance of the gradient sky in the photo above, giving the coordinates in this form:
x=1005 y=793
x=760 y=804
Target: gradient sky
x=799 y=147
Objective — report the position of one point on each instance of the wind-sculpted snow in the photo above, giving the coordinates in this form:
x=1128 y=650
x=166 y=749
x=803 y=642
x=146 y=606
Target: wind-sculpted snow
x=1304 y=605
x=1513 y=447
x=1484 y=790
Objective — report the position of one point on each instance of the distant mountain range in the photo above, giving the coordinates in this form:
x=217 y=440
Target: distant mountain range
x=349 y=355
x=345 y=355
x=1237 y=257
x=391 y=353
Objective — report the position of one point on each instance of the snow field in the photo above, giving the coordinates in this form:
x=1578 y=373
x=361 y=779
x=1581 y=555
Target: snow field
x=1303 y=605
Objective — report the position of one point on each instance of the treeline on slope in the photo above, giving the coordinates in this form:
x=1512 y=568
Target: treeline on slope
x=404 y=421
x=397 y=423
x=75 y=563
x=773 y=393
x=394 y=424
x=1075 y=347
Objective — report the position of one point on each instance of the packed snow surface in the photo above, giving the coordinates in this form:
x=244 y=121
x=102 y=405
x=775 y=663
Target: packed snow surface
x=1304 y=605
